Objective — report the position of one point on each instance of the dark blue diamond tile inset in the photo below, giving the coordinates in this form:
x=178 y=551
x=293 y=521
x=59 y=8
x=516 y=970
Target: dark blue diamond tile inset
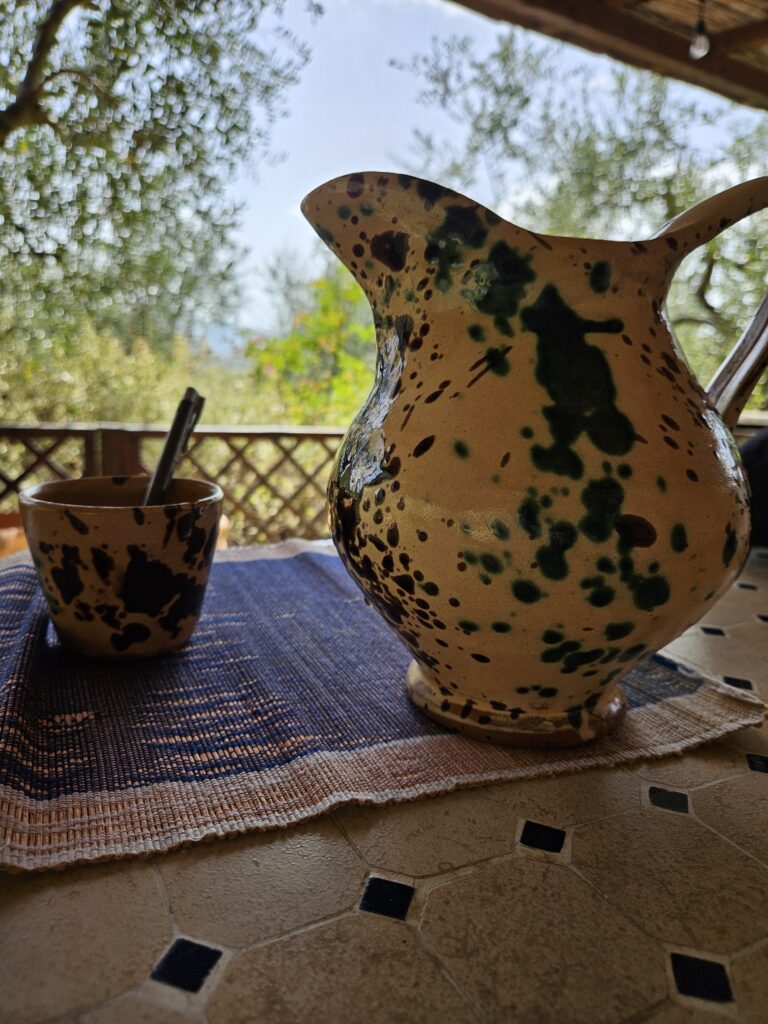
x=542 y=837
x=763 y=618
x=741 y=684
x=391 y=899
x=704 y=979
x=186 y=965
x=757 y=762
x=747 y=586
x=712 y=630
x=668 y=799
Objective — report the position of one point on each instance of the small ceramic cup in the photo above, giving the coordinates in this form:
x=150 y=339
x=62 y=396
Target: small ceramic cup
x=122 y=580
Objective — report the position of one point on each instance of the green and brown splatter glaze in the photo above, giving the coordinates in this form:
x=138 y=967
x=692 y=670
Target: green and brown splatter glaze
x=122 y=580
x=536 y=493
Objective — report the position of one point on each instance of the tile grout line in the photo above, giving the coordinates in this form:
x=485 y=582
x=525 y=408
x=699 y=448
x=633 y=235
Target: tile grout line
x=727 y=959
x=346 y=836
x=716 y=782
x=74 y=1015
x=603 y=817
x=175 y=930
x=619 y=909
x=731 y=842
x=439 y=878
x=417 y=880
x=516 y=849
x=229 y=953
x=350 y=842
x=751 y=948
x=295 y=931
x=734 y=746
x=647 y=1014
x=476 y=1010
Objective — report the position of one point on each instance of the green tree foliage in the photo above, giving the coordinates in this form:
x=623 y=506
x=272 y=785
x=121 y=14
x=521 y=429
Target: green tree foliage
x=492 y=103
x=105 y=379
x=320 y=369
x=565 y=153
x=315 y=368
x=121 y=124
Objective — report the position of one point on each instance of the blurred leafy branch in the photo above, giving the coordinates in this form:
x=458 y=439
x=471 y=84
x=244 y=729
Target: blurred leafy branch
x=564 y=151
x=314 y=368
x=107 y=380
x=122 y=123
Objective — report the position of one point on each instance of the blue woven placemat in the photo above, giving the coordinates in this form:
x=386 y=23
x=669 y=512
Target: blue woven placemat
x=288 y=701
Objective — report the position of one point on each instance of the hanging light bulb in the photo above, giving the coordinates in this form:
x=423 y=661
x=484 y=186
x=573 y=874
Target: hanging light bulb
x=700 y=38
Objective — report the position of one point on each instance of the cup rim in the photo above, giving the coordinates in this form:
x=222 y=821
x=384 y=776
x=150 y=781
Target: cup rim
x=28 y=497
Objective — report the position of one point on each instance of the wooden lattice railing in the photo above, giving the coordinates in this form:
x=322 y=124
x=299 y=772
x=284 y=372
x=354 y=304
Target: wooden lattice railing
x=274 y=478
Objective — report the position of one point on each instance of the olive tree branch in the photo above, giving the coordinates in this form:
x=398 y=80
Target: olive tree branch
x=77 y=73
x=700 y=321
x=713 y=315
x=26 y=107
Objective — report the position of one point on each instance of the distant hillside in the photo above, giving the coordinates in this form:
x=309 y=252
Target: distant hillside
x=227 y=343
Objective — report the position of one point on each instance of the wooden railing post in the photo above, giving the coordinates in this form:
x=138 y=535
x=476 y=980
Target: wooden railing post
x=119 y=452
x=92 y=453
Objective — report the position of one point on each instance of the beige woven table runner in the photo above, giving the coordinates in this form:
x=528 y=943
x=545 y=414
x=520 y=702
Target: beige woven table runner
x=288 y=702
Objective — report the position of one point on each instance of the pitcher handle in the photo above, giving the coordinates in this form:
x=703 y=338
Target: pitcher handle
x=738 y=375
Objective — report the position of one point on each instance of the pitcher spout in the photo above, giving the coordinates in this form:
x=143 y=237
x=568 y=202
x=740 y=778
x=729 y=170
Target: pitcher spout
x=355 y=216
x=398 y=233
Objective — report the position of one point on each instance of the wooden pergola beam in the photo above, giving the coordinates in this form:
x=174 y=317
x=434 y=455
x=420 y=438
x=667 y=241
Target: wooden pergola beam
x=605 y=29
x=743 y=37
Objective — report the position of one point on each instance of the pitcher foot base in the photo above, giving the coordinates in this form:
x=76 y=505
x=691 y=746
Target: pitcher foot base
x=523 y=730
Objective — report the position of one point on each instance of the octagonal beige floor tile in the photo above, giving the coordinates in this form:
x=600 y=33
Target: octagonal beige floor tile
x=751 y=634
x=738 y=810
x=743 y=652
x=360 y=969
x=532 y=943
x=739 y=604
x=750 y=740
x=749 y=973
x=245 y=890
x=709 y=763
x=567 y=800
x=427 y=837
x=674 y=1013
x=756 y=567
x=684 y=884
x=131 y=1010
x=70 y=940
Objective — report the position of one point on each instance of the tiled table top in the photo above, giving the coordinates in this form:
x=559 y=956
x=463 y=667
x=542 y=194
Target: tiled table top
x=624 y=895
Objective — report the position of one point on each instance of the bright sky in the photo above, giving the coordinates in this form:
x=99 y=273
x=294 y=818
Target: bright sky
x=350 y=112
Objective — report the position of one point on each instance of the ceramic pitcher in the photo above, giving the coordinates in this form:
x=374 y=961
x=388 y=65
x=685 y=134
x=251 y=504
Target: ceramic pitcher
x=537 y=493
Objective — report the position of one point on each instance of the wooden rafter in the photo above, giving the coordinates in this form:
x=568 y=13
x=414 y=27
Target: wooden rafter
x=606 y=28
x=742 y=37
